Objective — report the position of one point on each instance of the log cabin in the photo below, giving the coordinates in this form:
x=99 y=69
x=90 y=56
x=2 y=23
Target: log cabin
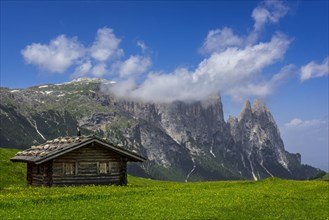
x=81 y=160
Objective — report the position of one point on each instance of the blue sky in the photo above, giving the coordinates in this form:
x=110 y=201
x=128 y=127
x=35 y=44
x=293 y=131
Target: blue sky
x=273 y=50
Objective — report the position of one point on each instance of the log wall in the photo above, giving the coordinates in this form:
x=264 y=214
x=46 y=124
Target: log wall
x=39 y=175
x=89 y=165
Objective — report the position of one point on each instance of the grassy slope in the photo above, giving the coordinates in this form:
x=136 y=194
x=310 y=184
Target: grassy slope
x=325 y=177
x=11 y=173
x=149 y=199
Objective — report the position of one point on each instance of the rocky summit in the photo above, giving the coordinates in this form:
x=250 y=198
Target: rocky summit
x=181 y=141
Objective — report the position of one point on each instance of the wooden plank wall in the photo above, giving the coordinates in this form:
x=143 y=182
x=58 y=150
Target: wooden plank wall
x=29 y=174
x=123 y=172
x=39 y=175
x=86 y=161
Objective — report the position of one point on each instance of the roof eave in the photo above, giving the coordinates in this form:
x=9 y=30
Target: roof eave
x=131 y=156
x=22 y=159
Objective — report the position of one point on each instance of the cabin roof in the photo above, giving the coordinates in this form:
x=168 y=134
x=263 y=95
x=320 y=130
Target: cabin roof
x=62 y=145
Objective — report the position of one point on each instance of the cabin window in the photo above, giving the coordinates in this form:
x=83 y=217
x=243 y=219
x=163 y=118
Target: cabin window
x=69 y=168
x=104 y=168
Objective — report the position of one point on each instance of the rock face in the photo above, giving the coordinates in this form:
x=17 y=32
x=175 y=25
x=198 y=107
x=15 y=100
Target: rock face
x=257 y=135
x=182 y=141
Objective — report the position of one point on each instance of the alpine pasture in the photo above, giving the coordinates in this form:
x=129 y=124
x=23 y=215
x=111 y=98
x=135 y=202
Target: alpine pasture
x=271 y=198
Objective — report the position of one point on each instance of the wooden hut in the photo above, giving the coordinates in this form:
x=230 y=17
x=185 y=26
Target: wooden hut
x=82 y=160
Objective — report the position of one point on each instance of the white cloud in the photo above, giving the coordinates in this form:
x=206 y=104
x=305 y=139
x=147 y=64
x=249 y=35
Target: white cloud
x=219 y=39
x=56 y=56
x=160 y=87
x=233 y=65
x=99 y=70
x=239 y=64
x=234 y=68
x=308 y=137
x=299 y=123
x=106 y=45
x=142 y=45
x=122 y=89
x=62 y=53
x=83 y=69
x=313 y=70
x=264 y=88
x=294 y=122
x=133 y=66
x=268 y=11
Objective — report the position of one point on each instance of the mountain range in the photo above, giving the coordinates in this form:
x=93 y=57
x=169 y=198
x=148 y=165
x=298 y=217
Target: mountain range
x=182 y=141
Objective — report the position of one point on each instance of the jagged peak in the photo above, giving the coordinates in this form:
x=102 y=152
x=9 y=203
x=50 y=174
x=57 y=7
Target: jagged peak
x=232 y=120
x=259 y=106
x=246 y=110
x=246 y=106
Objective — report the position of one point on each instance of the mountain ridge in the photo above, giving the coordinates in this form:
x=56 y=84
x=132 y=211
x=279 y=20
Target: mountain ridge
x=182 y=141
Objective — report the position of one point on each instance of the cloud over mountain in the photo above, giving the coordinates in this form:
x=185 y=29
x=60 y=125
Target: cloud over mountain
x=134 y=65
x=233 y=65
x=238 y=66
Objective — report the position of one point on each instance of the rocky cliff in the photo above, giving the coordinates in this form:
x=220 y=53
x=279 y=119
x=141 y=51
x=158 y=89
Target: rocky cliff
x=182 y=141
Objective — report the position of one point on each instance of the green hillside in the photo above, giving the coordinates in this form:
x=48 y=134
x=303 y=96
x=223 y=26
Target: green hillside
x=149 y=199
x=324 y=177
x=11 y=174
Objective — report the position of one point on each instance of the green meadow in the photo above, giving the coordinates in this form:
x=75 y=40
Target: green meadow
x=150 y=199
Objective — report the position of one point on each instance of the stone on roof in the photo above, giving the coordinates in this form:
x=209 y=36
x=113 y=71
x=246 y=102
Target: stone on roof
x=58 y=146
